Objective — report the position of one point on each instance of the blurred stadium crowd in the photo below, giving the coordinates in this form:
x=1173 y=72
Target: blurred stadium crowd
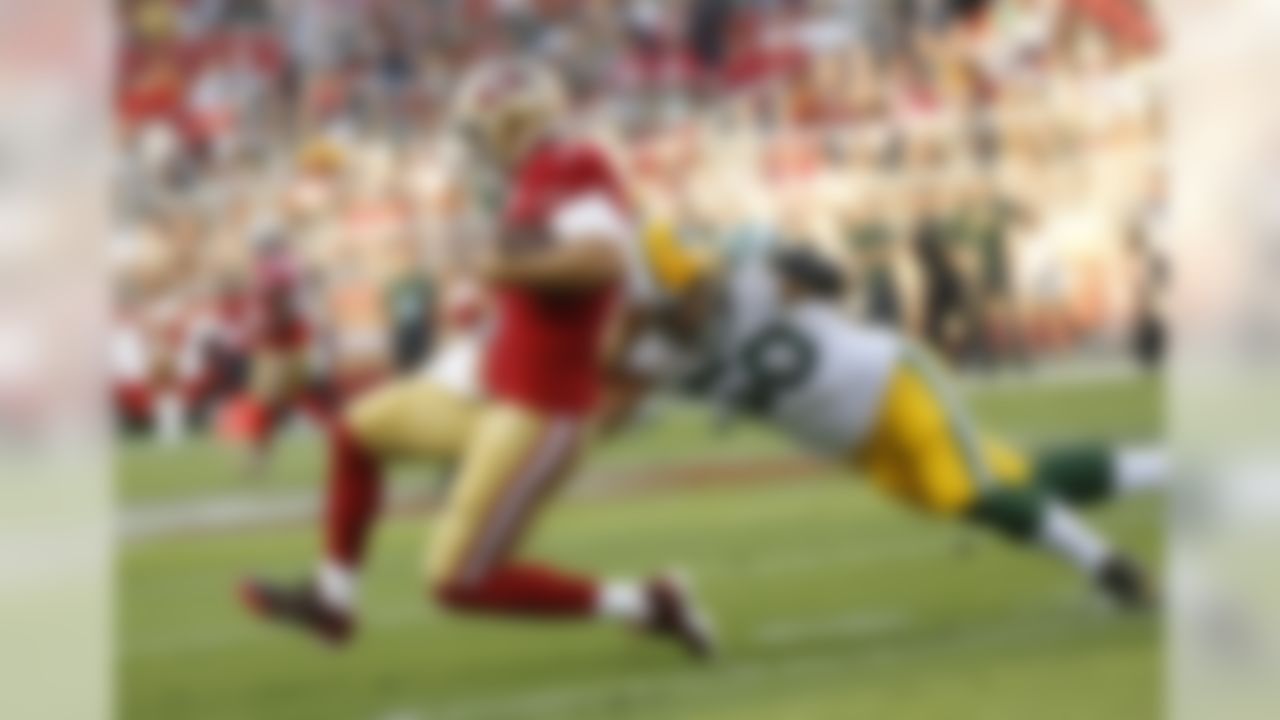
x=989 y=173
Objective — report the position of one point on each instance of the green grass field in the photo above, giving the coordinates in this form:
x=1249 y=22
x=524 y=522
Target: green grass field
x=833 y=603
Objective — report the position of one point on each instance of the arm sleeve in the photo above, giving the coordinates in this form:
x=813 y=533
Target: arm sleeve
x=590 y=217
x=595 y=217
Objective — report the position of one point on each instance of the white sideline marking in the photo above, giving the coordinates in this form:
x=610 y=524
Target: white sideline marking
x=846 y=556
x=569 y=700
x=852 y=625
x=1051 y=376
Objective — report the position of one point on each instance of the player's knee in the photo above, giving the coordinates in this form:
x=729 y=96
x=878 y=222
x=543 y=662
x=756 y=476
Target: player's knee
x=949 y=499
x=444 y=576
x=266 y=393
x=452 y=591
x=349 y=454
x=448 y=595
x=1014 y=513
x=438 y=575
x=361 y=421
x=926 y=493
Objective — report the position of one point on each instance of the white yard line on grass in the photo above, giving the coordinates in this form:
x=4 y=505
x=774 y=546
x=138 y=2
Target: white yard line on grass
x=843 y=556
x=734 y=678
x=1052 y=375
x=859 y=624
x=245 y=509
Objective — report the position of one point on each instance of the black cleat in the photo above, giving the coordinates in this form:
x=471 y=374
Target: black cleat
x=299 y=606
x=675 y=614
x=1126 y=584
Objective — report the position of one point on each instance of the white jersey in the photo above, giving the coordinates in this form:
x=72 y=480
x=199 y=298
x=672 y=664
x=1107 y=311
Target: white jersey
x=803 y=365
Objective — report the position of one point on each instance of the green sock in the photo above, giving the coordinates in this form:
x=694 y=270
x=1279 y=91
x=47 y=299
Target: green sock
x=1030 y=516
x=1080 y=475
x=1016 y=513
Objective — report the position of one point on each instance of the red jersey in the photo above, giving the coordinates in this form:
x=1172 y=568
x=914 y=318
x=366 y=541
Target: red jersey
x=547 y=346
x=231 y=322
x=278 y=319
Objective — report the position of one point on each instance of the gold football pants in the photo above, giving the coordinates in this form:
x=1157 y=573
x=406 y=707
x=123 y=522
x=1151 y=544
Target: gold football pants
x=507 y=460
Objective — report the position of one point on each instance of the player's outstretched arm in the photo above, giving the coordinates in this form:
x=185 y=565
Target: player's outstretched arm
x=580 y=264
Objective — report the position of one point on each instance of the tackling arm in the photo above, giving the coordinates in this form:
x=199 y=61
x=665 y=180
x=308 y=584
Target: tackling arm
x=584 y=262
x=584 y=247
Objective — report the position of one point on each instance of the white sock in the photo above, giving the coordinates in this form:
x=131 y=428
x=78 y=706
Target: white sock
x=170 y=420
x=623 y=600
x=1139 y=469
x=1066 y=535
x=337 y=585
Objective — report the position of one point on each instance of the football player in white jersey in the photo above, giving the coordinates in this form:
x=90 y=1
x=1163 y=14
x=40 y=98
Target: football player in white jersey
x=764 y=335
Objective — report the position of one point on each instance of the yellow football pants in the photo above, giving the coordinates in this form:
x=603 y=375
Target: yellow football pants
x=507 y=460
x=925 y=449
x=277 y=375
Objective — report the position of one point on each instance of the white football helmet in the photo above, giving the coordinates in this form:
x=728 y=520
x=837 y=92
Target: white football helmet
x=503 y=106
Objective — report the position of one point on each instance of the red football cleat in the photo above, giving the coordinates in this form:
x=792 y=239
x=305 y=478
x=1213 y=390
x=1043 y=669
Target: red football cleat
x=297 y=605
x=676 y=614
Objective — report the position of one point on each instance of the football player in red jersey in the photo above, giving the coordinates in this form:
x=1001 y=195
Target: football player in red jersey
x=280 y=376
x=557 y=274
x=218 y=345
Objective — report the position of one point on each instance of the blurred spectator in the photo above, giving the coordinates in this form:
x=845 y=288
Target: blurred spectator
x=946 y=300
